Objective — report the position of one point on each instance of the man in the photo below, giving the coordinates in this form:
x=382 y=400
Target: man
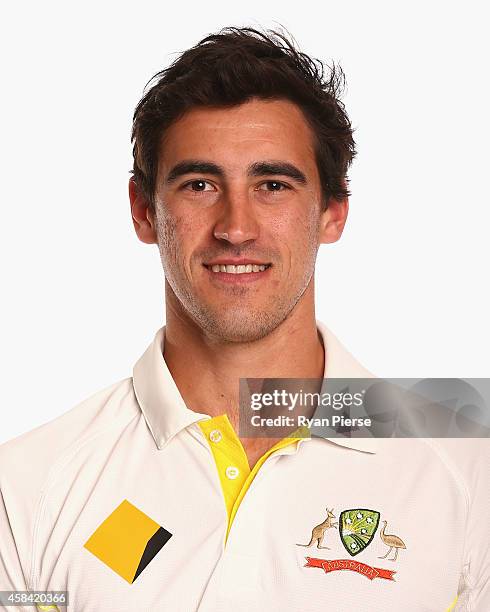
x=144 y=497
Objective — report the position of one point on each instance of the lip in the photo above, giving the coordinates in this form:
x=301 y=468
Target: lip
x=237 y=279
x=236 y=262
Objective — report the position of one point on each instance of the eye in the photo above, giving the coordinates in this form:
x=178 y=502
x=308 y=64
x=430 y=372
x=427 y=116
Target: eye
x=273 y=186
x=198 y=185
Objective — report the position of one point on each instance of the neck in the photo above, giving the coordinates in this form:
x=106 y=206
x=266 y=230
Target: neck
x=207 y=371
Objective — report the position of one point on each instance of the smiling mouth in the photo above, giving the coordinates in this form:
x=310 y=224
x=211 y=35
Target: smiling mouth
x=237 y=269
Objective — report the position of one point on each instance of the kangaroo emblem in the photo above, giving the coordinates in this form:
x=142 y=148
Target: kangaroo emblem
x=318 y=532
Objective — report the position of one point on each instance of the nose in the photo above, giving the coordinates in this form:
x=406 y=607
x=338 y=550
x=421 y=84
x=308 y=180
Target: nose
x=237 y=222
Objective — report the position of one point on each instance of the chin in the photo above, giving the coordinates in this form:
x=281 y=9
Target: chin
x=241 y=327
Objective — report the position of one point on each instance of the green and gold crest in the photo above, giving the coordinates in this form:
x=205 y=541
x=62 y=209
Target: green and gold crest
x=357 y=529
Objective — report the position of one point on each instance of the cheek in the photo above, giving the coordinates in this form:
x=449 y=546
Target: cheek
x=299 y=236
x=165 y=233
x=177 y=236
x=169 y=229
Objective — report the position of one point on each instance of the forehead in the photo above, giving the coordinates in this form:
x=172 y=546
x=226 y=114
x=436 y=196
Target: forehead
x=239 y=135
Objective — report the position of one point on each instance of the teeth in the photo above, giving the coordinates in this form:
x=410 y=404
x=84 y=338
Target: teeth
x=242 y=269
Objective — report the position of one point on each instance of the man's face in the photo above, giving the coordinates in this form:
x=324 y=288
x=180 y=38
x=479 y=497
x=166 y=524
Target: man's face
x=238 y=187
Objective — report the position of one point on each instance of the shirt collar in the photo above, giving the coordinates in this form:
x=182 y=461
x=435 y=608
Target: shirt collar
x=340 y=363
x=166 y=413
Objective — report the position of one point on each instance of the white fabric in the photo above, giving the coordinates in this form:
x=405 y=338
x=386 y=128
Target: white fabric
x=136 y=440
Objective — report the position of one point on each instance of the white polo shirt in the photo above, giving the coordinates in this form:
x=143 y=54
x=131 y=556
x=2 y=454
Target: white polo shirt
x=131 y=501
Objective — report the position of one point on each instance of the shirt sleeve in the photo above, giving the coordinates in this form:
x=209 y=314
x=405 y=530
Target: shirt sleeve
x=12 y=576
x=14 y=565
x=472 y=457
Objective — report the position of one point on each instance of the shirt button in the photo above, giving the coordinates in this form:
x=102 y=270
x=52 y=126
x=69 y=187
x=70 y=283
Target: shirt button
x=215 y=435
x=232 y=472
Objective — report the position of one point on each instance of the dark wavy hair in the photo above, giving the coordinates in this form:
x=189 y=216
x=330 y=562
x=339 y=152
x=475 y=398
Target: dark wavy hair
x=231 y=67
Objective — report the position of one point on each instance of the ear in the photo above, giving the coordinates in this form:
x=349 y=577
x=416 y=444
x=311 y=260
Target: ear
x=332 y=220
x=142 y=214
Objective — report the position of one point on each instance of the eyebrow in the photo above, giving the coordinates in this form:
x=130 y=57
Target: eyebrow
x=194 y=166
x=262 y=168
x=273 y=168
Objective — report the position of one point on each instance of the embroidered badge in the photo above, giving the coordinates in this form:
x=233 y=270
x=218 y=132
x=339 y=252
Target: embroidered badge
x=349 y=564
x=357 y=529
x=318 y=532
x=127 y=540
x=393 y=541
